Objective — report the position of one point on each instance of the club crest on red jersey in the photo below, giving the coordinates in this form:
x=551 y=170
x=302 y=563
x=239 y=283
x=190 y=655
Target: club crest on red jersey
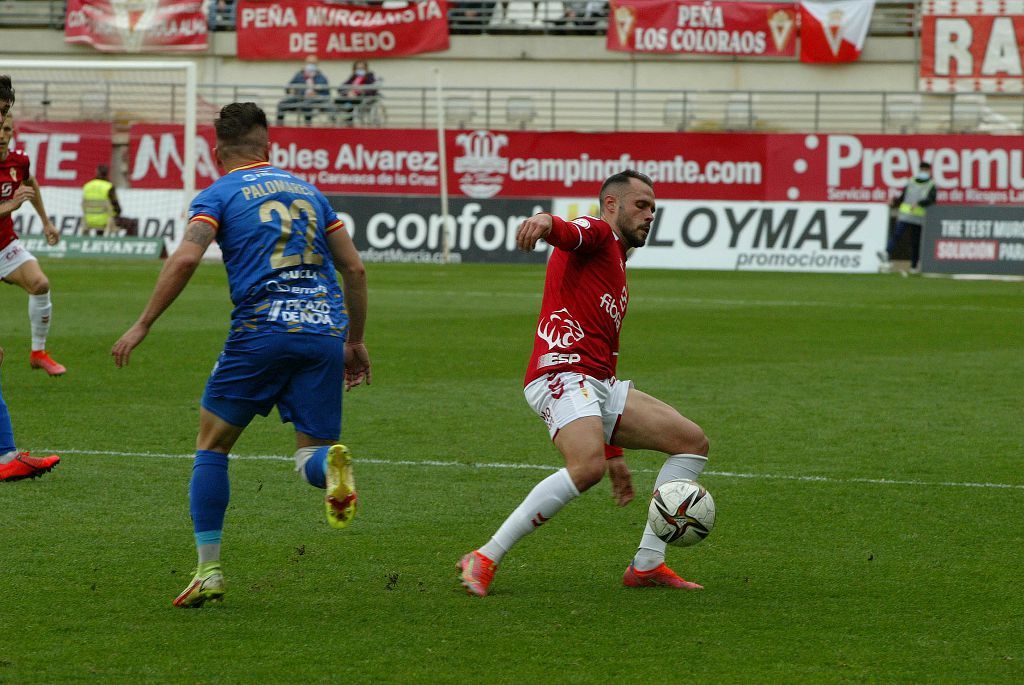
x=560 y=330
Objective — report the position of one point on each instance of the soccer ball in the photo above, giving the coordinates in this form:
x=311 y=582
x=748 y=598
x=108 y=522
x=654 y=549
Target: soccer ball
x=681 y=512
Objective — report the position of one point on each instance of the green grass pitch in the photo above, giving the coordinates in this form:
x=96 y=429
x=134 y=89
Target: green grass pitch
x=866 y=459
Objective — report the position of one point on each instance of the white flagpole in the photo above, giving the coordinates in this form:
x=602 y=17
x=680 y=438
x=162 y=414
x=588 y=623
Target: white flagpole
x=445 y=248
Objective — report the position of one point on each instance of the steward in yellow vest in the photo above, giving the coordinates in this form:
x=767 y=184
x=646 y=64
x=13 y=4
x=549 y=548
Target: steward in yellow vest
x=99 y=204
x=911 y=206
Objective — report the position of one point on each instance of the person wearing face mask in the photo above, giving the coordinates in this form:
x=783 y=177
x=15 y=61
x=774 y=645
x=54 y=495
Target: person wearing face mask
x=912 y=206
x=355 y=93
x=307 y=92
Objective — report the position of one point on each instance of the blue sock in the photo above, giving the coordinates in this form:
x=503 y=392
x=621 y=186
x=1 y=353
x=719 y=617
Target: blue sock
x=6 y=429
x=208 y=495
x=315 y=468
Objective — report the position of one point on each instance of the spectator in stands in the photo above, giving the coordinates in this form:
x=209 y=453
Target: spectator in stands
x=582 y=16
x=308 y=92
x=469 y=17
x=100 y=207
x=222 y=15
x=912 y=206
x=356 y=92
x=510 y=20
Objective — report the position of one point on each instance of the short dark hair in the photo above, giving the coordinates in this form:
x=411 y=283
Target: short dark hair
x=622 y=178
x=6 y=93
x=102 y=171
x=241 y=129
x=925 y=165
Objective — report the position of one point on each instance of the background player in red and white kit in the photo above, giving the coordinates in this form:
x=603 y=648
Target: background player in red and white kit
x=17 y=265
x=571 y=381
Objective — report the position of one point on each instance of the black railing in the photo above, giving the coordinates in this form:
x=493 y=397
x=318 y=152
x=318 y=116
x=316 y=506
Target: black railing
x=57 y=97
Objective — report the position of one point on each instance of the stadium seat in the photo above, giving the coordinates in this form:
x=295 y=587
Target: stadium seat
x=520 y=111
x=678 y=114
x=902 y=112
x=739 y=112
x=458 y=112
x=967 y=112
x=95 y=107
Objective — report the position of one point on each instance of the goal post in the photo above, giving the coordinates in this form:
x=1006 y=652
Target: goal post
x=121 y=92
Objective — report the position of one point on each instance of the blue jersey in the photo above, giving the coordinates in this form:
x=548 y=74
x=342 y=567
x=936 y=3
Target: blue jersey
x=272 y=228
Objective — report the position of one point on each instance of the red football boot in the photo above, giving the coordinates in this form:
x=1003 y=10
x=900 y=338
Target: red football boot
x=26 y=466
x=39 y=359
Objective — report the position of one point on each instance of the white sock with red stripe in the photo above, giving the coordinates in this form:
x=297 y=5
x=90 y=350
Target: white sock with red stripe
x=545 y=500
x=39 y=308
x=651 y=553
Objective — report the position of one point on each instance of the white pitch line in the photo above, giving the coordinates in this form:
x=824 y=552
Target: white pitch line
x=547 y=467
x=452 y=295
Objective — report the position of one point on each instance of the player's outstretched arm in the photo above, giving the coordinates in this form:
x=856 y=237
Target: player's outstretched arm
x=353 y=282
x=533 y=229
x=172 y=280
x=49 y=230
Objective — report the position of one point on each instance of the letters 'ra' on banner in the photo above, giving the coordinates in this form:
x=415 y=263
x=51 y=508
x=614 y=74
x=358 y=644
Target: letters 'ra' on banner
x=834 y=31
x=747 y=29
x=137 y=25
x=972 y=46
x=293 y=29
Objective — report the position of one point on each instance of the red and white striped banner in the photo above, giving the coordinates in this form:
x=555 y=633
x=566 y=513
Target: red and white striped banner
x=834 y=31
x=137 y=25
x=972 y=46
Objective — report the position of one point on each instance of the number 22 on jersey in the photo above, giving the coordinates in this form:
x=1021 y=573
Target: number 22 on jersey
x=299 y=211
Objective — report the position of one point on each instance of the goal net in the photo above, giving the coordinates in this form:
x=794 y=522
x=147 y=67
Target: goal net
x=137 y=118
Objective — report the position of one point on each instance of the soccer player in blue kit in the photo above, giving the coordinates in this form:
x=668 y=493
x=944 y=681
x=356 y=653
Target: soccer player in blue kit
x=295 y=338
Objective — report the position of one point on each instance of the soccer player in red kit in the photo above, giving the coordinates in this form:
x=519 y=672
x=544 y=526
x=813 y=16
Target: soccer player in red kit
x=571 y=381
x=17 y=265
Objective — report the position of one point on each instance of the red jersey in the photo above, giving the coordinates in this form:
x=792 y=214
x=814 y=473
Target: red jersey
x=585 y=298
x=14 y=170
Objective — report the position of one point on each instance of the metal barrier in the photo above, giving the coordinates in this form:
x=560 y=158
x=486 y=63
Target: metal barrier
x=558 y=17
x=32 y=13
x=559 y=109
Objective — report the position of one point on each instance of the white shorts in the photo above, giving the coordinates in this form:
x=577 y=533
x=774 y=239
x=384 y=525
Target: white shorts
x=13 y=256
x=561 y=398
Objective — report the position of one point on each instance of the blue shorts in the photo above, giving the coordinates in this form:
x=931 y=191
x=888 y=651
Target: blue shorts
x=302 y=373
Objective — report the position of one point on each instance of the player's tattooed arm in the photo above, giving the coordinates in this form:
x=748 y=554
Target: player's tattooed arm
x=200 y=233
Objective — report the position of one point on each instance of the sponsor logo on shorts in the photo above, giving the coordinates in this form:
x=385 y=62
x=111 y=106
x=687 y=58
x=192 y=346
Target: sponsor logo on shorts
x=12 y=251
x=556 y=388
x=548 y=418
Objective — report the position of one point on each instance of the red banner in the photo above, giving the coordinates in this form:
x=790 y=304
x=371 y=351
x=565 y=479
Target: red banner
x=968 y=169
x=64 y=153
x=835 y=30
x=972 y=46
x=292 y=29
x=137 y=25
x=709 y=28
